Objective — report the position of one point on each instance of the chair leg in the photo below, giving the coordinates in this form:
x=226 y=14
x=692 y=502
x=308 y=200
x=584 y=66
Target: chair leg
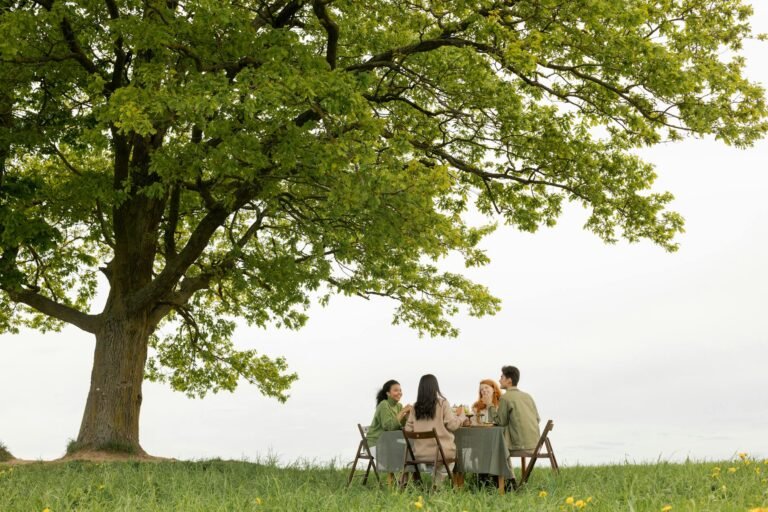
x=552 y=459
x=354 y=467
x=375 y=471
x=528 y=470
x=367 y=470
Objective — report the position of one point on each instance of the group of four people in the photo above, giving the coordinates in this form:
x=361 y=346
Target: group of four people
x=514 y=410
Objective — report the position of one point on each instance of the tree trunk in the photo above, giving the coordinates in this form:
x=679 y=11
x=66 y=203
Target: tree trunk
x=111 y=417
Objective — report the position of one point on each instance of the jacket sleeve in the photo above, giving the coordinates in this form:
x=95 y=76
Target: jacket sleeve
x=410 y=422
x=450 y=420
x=501 y=416
x=389 y=418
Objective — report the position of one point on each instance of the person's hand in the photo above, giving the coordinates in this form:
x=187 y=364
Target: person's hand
x=466 y=423
x=407 y=409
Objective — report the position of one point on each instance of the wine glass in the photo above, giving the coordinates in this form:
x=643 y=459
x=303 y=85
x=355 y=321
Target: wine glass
x=468 y=412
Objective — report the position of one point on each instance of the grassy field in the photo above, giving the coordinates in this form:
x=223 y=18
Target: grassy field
x=739 y=485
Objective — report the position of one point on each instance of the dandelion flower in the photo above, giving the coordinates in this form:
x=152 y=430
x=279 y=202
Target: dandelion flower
x=589 y=500
x=258 y=501
x=666 y=508
x=46 y=509
x=759 y=509
x=580 y=504
x=731 y=470
x=542 y=494
x=569 y=500
x=743 y=455
x=419 y=504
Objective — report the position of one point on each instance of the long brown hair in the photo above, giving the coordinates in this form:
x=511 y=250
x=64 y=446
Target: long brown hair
x=480 y=405
x=427 y=397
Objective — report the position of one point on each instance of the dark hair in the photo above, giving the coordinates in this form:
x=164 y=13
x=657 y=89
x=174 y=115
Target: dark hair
x=426 y=399
x=382 y=393
x=512 y=373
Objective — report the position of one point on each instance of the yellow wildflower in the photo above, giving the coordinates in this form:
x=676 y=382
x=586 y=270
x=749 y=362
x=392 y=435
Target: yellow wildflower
x=569 y=500
x=716 y=470
x=743 y=455
x=46 y=509
x=542 y=494
x=757 y=470
x=759 y=509
x=580 y=504
x=419 y=503
x=589 y=500
x=666 y=508
x=258 y=501
x=731 y=470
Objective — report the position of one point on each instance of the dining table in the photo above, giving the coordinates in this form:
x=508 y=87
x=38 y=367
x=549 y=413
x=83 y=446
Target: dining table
x=479 y=449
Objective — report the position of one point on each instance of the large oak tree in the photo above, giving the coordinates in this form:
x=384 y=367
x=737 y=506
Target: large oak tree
x=217 y=160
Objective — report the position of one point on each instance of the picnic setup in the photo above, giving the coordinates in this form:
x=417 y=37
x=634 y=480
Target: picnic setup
x=498 y=434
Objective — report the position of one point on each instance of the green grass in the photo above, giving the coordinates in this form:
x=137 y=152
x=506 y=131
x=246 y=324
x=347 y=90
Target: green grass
x=236 y=486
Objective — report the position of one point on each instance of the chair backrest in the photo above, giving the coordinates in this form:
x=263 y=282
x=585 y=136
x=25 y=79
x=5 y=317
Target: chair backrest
x=427 y=434
x=440 y=457
x=364 y=450
x=537 y=453
x=543 y=437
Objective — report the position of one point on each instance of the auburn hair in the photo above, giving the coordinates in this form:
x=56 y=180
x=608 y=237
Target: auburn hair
x=480 y=405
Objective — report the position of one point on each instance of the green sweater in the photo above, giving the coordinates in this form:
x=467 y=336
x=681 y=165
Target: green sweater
x=517 y=412
x=384 y=419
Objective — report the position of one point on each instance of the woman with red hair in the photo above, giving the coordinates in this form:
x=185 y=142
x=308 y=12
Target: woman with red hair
x=488 y=395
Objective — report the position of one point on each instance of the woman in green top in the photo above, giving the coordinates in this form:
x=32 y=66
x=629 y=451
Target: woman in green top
x=390 y=413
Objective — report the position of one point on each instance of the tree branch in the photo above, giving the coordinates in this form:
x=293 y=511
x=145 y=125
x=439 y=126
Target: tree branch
x=197 y=243
x=320 y=7
x=70 y=38
x=46 y=306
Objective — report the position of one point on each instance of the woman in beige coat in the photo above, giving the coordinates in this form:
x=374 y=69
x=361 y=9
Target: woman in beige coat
x=431 y=410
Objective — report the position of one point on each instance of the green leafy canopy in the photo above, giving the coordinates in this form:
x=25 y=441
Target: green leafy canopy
x=222 y=160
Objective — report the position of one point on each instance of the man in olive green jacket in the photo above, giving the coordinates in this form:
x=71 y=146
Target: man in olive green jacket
x=517 y=412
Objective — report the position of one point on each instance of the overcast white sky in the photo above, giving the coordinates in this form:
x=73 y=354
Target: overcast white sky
x=637 y=354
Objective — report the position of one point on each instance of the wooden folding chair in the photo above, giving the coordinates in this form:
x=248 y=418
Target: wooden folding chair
x=537 y=454
x=411 y=460
x=363 y=453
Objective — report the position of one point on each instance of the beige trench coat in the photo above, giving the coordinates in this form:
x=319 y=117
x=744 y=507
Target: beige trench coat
x=445 y=423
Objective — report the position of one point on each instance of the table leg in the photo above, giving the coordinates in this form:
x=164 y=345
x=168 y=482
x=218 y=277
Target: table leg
x=501 y=485
x=458 y=480
x=390 y=479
